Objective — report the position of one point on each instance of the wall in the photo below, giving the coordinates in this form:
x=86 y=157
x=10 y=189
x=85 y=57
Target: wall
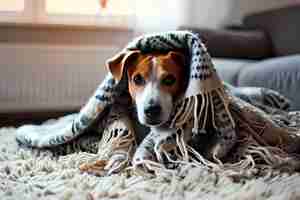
x=157 y=15
x=39 y=77
x=53 y=68
x=216 y=13
x=241 y=7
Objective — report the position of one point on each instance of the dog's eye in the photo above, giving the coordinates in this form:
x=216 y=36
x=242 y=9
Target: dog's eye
x=168 y=80
x=139 y=80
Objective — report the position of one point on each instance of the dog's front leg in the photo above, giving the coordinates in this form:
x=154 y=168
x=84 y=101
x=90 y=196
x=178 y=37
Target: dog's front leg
x=154 y=151
x=145 y=151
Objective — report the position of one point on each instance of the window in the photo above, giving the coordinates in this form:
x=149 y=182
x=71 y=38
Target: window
x=90 y=7
x=13 y=10
x=12 y=5
x=77 y=12
x=67 y=7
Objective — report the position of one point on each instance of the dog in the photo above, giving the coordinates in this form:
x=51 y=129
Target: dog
x=155 y=81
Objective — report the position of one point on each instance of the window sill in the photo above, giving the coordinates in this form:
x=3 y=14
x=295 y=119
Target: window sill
x=52 y=34
x=67 y=27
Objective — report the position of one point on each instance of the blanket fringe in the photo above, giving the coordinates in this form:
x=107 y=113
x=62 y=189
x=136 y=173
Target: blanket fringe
x=252 y=158
x=197 y=107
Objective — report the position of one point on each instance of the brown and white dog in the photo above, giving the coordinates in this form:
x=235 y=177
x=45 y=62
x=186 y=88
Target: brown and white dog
x=155 y=81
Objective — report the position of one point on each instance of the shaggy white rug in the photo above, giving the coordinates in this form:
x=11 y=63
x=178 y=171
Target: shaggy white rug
x=28 y=174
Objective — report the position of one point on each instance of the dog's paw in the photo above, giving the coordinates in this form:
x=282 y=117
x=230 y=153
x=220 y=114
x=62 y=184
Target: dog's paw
x=116 y=163
x=142 y=161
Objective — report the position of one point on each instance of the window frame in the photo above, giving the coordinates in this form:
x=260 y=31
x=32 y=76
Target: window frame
x=35 y=13
x=25 y=16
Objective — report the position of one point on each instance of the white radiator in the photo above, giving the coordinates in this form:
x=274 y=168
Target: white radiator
x=40 y=77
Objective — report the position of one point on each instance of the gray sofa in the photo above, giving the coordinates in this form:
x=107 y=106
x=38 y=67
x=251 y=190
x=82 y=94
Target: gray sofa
x=281 y=74
x=263 y=52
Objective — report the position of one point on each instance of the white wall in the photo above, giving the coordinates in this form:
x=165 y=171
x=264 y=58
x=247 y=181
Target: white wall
x=39 y=77
x=161 y=15
x=241 y=7
x=216 y=13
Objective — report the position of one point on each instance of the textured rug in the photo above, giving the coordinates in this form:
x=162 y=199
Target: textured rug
x=32 y=174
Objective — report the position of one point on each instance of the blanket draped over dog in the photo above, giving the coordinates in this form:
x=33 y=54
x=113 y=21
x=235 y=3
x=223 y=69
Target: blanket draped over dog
x=212 y=124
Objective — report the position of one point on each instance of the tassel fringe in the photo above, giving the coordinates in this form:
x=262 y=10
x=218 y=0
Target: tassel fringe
x=189 y=109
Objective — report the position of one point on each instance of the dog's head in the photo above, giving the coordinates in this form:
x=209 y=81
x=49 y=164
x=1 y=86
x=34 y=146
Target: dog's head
x=154 y=80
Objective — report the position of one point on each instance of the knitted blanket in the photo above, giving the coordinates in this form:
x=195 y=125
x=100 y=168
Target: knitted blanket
x=212 y=124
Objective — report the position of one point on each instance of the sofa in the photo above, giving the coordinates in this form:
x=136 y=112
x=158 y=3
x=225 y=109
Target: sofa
x=264 y=51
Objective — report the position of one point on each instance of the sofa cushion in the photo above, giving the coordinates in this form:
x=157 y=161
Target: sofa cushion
x=246 y=44
x=283 y=27
x=228 y=69
x=281 y=74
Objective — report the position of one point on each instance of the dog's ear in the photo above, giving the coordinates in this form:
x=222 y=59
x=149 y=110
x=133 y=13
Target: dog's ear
x=117 y=64
x=177 y=57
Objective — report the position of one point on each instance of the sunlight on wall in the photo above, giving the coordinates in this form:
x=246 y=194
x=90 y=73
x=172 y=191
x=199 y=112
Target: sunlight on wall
x=11 y=5
x=87 y=7
x=216 y=13
x=158 y=15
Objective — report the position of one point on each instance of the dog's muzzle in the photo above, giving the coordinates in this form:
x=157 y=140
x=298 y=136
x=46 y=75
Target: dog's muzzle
x=153 y=114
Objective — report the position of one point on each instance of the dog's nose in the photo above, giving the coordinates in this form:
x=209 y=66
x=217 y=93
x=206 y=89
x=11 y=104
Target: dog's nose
x=153 y=110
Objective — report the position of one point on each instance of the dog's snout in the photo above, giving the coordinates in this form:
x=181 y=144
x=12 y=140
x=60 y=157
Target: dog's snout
x=153 y=110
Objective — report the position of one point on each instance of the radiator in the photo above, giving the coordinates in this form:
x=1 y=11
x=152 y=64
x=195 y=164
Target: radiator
x=40 y=77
